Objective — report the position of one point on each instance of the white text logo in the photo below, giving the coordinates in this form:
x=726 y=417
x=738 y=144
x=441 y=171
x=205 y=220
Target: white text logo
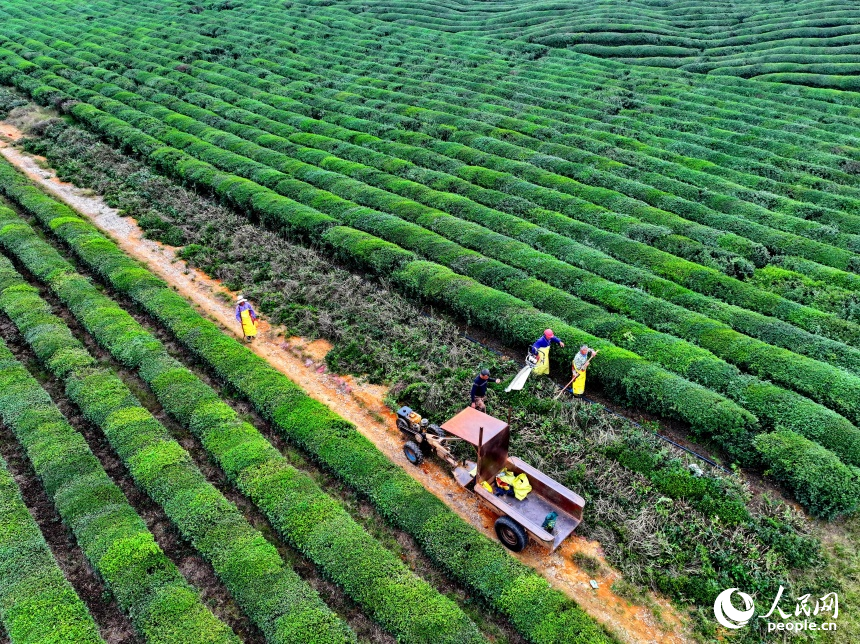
x=729 y=616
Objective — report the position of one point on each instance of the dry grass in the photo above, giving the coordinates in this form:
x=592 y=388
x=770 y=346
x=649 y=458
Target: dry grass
x=32 y=119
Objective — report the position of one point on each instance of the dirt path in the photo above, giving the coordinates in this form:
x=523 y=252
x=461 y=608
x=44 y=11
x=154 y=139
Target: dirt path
x=362 y=405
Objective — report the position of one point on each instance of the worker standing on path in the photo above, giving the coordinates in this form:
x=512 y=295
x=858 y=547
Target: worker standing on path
x=580 y=364
x=247 y=318
x=479 y=390
x=540 y=349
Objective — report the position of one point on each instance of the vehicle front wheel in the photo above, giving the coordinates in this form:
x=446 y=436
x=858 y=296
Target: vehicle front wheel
x=512 y=535
x=413 y=453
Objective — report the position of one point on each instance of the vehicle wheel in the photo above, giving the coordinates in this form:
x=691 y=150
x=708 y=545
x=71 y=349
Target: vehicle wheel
x=512 y=535
x=413 y=453
x=403 y=426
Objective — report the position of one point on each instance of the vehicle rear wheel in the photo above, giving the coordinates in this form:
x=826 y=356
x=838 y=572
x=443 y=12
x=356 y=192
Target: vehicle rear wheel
x=413 y=453
x=512 y=535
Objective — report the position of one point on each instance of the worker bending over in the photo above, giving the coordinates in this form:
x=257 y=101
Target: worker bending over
x=540 y=349
x=247 y=318
x=479 y=390
x=580 y=364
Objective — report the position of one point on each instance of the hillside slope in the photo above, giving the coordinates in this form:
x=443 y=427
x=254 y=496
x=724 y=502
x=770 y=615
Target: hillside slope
x=813 y=42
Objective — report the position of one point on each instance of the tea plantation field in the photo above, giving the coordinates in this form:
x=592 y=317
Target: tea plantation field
x=813 y=42
x=483 y=162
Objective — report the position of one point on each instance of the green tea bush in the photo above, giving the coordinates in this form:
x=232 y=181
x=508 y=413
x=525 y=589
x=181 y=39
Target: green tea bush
x=823 y=484
x=290 y=499
x=162 y=468
x=113 y=537
x=37 y=603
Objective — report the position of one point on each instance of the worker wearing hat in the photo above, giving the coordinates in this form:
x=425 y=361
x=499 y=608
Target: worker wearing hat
x=580 y=364
x=540 y=349
x=247 y=318
x=479 y=390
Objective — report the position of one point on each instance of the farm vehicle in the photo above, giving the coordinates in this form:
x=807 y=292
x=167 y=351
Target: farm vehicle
x=548 y=513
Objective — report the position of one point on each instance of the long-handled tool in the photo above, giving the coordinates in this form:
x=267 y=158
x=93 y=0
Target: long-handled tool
x=563 y=389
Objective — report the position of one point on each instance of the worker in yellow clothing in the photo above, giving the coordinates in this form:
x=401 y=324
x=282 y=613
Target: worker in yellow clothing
x=540 y=350
x=247 y=318
x=580 y=364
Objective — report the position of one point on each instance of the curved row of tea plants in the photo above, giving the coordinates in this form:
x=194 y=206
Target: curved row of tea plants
x=147 y=585
x=37 y=603
x=301 y=512
x=535 y=60
x=734 y=157
x=699 y=37
x=556 y=84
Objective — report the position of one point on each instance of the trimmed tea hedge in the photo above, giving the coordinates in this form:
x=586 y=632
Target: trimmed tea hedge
x=272 y=594
x=818 y=480
x=301 y=512
x=37 y=604
x=147 y=585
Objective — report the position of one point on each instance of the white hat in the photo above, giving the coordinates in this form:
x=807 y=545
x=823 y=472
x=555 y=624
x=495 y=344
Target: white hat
x=241 y=298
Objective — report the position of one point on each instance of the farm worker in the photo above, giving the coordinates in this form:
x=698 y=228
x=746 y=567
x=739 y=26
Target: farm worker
x=246 y=317
x=541 y=349
x=581 y=361
x=479 y=390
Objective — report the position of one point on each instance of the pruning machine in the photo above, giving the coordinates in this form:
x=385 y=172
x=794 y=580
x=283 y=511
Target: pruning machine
x=519 y=380
x=549 y=513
